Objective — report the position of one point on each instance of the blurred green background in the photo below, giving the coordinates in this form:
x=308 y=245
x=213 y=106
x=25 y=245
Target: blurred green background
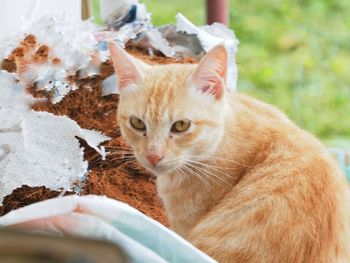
x=294 y=54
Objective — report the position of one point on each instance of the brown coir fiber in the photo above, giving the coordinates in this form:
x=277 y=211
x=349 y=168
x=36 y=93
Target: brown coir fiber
x=116 y=177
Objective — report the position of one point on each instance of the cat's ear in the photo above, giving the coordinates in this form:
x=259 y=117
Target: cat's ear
x=210 y=75
x=126 y=68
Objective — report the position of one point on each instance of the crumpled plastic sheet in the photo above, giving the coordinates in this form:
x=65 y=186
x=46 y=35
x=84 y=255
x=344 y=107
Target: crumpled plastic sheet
x=185 y=39
x=129 y=20
x=125 y=19
x=140 y=237
x=152 y=39
x=184 y=45
x=117 y=14
x=209 y=37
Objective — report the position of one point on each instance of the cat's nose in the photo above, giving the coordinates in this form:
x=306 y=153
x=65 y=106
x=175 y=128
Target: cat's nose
x=154 y=158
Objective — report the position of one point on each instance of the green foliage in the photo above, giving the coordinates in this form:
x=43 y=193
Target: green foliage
x=96 y=12
x=293 y=54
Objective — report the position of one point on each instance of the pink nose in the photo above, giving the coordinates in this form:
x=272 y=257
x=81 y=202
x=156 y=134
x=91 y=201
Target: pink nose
x=154 y=158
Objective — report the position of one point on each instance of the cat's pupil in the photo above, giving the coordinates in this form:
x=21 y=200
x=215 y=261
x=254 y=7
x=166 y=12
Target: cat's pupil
x=180 y=126
x=137 y=124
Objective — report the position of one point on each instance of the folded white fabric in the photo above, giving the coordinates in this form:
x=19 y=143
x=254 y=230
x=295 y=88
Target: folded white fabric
x=140 y=237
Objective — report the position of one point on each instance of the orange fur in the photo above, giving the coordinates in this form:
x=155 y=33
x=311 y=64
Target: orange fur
x=244 y=184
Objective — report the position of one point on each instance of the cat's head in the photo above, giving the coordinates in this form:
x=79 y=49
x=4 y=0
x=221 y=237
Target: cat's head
x=171 y=115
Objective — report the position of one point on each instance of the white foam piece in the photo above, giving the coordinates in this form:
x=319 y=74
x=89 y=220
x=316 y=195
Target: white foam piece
x=71 y=40
x=110 y=85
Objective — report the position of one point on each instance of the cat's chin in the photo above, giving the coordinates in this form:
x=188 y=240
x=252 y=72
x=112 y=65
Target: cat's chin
x=160 y=170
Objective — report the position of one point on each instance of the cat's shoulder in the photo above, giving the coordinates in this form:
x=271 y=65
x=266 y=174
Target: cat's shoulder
x=248 y=105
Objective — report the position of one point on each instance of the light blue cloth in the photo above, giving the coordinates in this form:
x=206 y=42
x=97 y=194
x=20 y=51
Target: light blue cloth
x=142 y=239
x=343 y=158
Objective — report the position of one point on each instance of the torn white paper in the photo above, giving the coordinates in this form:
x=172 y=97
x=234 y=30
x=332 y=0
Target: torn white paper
x=38 y=148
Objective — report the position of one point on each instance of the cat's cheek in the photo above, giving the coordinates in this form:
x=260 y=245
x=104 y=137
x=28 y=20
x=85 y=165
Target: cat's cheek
x=175 y=151
x=131 y=138
x=187 y=140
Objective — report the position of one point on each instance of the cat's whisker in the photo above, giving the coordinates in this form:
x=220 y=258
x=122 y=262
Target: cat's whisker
x=211 y=165
x=114 y=131
x=209 y=174
x=220 y=159
x=120 y=151
x=122 y=157
x=184 y=168
x=118 y=147
x=123 y=152
x=101 y=157
x=210 y=168
x=197 y=175
x=124 y=160
x=124 y=164
x=172 y=162
x=95 y=160
x=177 y=168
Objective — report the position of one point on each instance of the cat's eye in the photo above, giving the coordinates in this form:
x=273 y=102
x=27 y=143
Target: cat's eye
x=137 y=124
x=181 y=126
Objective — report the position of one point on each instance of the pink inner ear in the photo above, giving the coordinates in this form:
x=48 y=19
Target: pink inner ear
x=124 y=67
x=127 y=75
x=215 y=88
x=211 y=72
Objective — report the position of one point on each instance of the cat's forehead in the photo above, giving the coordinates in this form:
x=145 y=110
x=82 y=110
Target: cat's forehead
x=164 y=89
x=163 y=94
x=161 y=104
x=172 y=76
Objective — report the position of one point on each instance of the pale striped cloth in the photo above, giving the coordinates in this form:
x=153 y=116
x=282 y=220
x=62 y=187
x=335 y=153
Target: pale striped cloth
x=343 y=158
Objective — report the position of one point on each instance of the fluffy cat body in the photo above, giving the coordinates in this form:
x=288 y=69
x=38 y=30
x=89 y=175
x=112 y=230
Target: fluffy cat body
x=243 y=183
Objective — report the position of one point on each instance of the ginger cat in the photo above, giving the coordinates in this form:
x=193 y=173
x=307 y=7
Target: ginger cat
x=238 y=179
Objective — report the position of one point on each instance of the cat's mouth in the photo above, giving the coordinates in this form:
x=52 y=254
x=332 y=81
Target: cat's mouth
x=159 y=169
x=164 y=167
